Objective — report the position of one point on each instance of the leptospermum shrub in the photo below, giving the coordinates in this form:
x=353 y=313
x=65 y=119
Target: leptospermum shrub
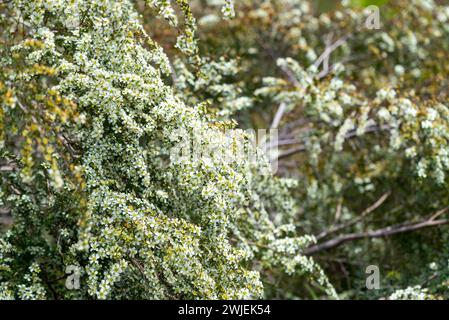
x=102 y=103
x=364 y=131
x=88 y=122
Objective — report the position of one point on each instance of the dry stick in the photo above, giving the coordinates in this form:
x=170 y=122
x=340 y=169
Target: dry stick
x=278 y=116
x=68 y=146
x=325 y=70
x=287 y=142
x=362 y=216
x=338 y=211
x=291 y=77
x=295 y=123
x=324 y=57
x=380 y=233
x=439 y=213
x=292 y=151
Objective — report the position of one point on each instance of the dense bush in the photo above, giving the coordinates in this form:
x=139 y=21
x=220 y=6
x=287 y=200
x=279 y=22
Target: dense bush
x=96 y=95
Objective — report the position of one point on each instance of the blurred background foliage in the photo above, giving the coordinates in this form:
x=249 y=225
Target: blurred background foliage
x=408 y=55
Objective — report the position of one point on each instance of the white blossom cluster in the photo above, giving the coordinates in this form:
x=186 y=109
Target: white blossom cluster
x=148 y=229
x=410 y=293
x=417 y=128
x=210 y=81
x=368 y=119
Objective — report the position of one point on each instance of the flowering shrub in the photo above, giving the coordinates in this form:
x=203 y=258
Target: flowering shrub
x=138 y=226
x=96 y=95
x=362 y=130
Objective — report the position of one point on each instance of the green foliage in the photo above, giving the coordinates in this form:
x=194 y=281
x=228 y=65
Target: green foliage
x=372 y=125
x=96 y=95
x=367 y=3
x=143 y=227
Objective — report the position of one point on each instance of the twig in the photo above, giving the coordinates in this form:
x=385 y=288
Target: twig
x=362 y=216
x=278 y=116
x=7 y=167
x=379 y=233
x=330 y=47
x=292 y=151
x=338 y=211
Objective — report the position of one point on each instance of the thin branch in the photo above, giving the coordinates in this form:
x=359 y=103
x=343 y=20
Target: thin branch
x=295 y=123
x=278 y=116
x=330 y=47
x=7 y=167
x=338 y=211
x=379 y=233
x=286 y=142
x=362 y=216
x=325 y=70
x=439 y=213
x=292 y=151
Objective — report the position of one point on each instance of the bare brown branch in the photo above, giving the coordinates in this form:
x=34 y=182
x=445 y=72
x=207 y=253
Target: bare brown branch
x=379 y=233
